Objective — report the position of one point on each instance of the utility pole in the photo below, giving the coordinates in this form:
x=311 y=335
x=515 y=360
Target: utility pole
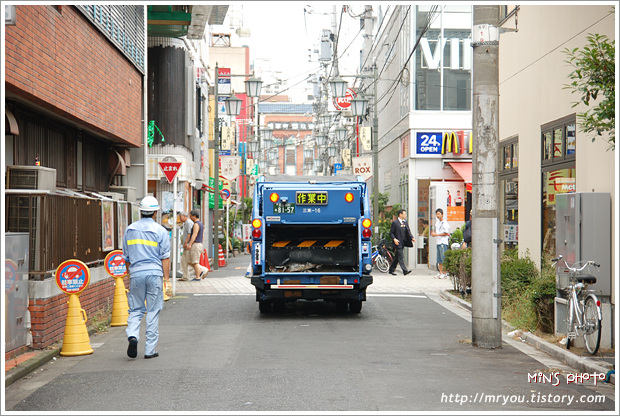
x=486 y=287
x=216 y=174
x=375 y=151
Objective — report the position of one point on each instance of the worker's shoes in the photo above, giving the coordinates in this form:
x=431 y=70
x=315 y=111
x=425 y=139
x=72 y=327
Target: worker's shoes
x=155 y=354
x=132 y=349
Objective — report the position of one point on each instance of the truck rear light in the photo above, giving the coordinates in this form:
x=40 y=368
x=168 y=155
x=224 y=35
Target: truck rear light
x=256 y=223
x=274 y=197
x=366 y=233
x=256 y=233
x=349 y=197
x=366 y=223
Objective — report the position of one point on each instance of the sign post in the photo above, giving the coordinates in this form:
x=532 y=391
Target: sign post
x=117 y=268
x=171 y=168
x=72 y=277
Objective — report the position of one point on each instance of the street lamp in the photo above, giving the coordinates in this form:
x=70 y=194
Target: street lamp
x=341 y=134
x=358 y=107
x=233 y=107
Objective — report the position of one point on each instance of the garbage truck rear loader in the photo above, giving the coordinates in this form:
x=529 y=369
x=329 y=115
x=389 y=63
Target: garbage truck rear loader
x=311 y=241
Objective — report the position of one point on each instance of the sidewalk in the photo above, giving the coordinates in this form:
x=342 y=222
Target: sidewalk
x=231 y=280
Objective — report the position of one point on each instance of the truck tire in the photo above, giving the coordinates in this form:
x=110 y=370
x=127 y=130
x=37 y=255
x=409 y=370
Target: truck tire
x=355 y=306
x=279 y=305
x=341 y=306
x=264 y=306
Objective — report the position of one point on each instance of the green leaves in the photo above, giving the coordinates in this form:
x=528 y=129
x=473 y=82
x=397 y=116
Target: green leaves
x=594 y=79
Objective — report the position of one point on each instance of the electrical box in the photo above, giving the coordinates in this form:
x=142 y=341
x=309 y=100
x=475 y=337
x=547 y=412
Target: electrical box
x=583 y=232
x=16 y=290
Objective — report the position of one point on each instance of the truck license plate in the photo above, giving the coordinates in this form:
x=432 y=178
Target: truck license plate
x=279 y=208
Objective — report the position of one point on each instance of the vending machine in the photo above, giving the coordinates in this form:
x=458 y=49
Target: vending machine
x=450 y=197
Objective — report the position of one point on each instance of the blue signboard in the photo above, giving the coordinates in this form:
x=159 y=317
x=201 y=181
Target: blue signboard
x=428 y=143
x=337 y=166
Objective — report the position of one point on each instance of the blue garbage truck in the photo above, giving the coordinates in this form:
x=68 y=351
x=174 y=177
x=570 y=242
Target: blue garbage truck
x=311 y=241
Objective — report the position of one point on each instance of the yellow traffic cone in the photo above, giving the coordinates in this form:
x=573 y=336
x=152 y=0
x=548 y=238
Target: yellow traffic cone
x=75 y=340
x=120 y=307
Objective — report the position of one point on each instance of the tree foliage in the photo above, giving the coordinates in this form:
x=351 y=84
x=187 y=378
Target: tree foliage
x=594 y=79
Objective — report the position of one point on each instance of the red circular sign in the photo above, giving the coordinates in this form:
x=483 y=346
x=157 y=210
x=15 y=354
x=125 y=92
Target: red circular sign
x=342 y=103
x=115 y=264
x=72 y=276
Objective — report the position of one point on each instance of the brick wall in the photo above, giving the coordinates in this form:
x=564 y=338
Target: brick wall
x=60 y=61
x=48 y=316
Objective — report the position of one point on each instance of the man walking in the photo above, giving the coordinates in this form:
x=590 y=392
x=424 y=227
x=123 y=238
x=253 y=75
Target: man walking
x=442 y=232
x=146 y=250
x=188 y=226
x=195 y=244
x=402 y=237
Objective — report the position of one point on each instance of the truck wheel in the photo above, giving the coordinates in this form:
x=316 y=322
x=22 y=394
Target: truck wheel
x=264 y=306
x=341 y=306
x=279 y=305
x=355 y=306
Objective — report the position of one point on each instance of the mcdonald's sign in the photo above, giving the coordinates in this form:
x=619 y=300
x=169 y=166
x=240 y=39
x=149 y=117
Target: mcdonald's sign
x=458 y=142
x=440 y=143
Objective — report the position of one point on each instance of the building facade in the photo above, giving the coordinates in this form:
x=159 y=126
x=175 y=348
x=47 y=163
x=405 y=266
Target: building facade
x=423 y=62
x=544 y=152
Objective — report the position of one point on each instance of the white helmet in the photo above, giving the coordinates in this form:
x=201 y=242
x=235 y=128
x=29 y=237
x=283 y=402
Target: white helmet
x=149 y=204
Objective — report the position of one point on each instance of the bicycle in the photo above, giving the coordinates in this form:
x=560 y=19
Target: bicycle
x=584 y=312
x=381 y=257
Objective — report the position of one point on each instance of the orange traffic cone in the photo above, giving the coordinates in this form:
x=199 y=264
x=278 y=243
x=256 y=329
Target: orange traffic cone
x=204 y=260
x=75 y=340
x=221 y=259
x=120 y=308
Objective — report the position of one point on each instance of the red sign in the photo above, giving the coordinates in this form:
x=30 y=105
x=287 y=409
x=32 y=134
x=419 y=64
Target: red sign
x=72 y=276
x=115 y=264
x=223 y=72
x=170 y=169
x=344 y=102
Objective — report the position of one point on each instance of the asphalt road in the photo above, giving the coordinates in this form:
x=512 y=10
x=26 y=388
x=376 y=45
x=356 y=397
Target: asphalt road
x=218 y=353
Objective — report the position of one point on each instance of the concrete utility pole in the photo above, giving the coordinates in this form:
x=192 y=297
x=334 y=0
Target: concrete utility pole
x=216 y=173
x=486 y=287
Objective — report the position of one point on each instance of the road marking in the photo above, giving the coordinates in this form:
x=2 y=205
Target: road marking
x=385 y=295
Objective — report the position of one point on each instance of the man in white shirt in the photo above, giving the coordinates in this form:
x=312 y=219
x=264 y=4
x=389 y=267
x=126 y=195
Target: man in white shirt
x=187 y=233
x=442 y=232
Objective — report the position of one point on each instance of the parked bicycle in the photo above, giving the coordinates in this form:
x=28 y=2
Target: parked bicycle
x=381 y=256
x=583 y=316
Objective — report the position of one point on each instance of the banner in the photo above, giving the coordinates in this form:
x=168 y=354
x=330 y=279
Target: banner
x=230 y=167
x=366 y=137
x=228 y=137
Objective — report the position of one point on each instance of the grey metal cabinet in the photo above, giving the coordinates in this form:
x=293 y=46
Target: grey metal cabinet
x=16 y=290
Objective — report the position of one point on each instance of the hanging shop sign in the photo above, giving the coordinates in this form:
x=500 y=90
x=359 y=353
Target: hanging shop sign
x=342 y=103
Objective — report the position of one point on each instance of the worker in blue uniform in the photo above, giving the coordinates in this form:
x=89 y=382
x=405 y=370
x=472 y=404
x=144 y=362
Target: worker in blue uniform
x=146 y=250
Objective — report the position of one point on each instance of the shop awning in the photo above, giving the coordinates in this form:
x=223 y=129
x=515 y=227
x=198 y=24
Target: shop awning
x=463 y=169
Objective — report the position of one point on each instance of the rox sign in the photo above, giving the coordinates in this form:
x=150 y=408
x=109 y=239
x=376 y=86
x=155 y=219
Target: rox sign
x=363 y=166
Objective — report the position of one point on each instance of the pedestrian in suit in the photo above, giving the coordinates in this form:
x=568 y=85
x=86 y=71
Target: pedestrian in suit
x=402 y=237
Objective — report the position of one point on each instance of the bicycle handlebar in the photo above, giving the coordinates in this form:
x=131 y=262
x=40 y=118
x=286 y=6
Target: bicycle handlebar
x=575 y=269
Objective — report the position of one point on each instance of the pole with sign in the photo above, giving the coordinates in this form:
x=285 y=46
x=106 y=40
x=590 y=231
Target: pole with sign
x=72 y=277
x=117 y=268
x=171 y=168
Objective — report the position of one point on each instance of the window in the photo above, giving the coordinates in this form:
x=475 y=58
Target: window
x=443 y=61
x=509 y=190
x=558 y=172
x=559 y=142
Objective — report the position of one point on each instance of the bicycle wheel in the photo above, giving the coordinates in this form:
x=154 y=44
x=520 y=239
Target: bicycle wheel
x=592 y=325
x=382 y=264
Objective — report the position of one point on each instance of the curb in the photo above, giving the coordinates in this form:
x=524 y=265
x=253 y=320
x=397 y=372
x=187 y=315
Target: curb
x=581 y=363
x=32 y=364
x=29 y=366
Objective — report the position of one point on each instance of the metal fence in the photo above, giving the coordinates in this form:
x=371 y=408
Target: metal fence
x=62 y=228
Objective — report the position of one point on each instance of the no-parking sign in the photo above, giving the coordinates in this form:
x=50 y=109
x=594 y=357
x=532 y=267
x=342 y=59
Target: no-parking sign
x=115 y=264
x=72 y=276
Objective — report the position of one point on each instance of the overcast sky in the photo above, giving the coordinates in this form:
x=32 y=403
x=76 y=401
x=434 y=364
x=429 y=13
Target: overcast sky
x=282 y=34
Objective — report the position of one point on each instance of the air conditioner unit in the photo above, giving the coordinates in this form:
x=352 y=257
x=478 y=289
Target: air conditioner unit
x=129 y=192
x=30 y=177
